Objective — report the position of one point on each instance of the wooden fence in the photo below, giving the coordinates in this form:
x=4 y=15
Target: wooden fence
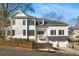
x=17 y=43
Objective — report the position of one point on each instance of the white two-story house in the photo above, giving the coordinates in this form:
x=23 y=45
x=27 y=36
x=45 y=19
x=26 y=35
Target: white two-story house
x=40 y=30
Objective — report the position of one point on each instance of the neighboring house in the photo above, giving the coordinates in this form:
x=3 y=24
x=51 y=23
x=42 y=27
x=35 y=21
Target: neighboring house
x=37 y=29
x=1 y=26
x=74 y=33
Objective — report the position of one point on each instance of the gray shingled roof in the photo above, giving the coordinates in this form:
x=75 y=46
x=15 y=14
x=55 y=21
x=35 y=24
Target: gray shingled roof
x=74 y=28
x=53 y=38
x=55 y=23
x=47 y=22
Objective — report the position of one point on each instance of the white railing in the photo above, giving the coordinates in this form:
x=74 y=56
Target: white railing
x=41 y=37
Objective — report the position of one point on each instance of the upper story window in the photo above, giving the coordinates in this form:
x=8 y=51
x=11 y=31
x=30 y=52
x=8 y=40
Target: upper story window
x=13 y=22
x=53 y=32
x=24 y=22
x=31 y=22
x=39 y=22
x=40 y=32
x=24 y=32
x=61 y=32
x=13 y=32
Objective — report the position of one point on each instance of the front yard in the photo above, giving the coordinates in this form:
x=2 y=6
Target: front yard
x=21 y=52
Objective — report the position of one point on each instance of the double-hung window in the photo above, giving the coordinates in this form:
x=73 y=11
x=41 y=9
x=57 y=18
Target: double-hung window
x=24 y=32
x=13 y=22
x=61 y=32
x=24 y=22
x=53 y=32
x=13 y=32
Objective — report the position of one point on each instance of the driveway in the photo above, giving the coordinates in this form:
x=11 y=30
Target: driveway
x=21 y=52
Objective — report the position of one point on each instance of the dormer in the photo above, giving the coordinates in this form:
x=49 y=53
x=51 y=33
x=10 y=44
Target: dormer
x=40 y=22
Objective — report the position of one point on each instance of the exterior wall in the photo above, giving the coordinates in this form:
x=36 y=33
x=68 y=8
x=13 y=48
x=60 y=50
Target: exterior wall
x=33 y=27
x=19 y=27
x=59 y=43
x=63 y=43
x=39 y=41
x=54 y=43
x=57 y=28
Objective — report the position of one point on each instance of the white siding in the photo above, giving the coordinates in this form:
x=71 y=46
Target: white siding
x=19 y=27
x=57 y=28
x=63 y=43
x=32 y=27
x=54 y=43
x=59 y=43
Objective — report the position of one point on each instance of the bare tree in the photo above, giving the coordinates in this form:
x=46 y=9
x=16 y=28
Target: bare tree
x=53 y=15
x=6 y=9
x=75 y=21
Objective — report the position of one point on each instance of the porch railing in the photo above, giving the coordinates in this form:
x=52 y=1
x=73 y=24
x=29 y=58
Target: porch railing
x=41 y=37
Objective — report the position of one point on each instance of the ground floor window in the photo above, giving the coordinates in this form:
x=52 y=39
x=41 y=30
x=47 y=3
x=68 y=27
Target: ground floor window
x=31 y=32
x=24 y=32
x=40 y=32
x=13 y=32
x=8 y=32
x=53 y=32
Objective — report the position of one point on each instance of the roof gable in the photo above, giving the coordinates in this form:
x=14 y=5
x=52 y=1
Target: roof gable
x=18 y=13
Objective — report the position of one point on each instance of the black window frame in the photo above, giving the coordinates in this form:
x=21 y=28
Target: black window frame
x=40 y=22
x=31 y=32
x=31 y=22
x=60 y=32
x=13 y=32
x=8 y=32
x=13 y=23
x=53 y=32
x=40 y=32
x=24 y=32
x=24 y=22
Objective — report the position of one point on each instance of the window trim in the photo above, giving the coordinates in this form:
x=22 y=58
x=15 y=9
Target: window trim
x=53 y=33
x=24 y=32
x=13 y=32
x=32 y=22
x=40 y=31
x=8 y=32
x=31 y=34
x=13 y=22
x=24 y=22
x=61 y=30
